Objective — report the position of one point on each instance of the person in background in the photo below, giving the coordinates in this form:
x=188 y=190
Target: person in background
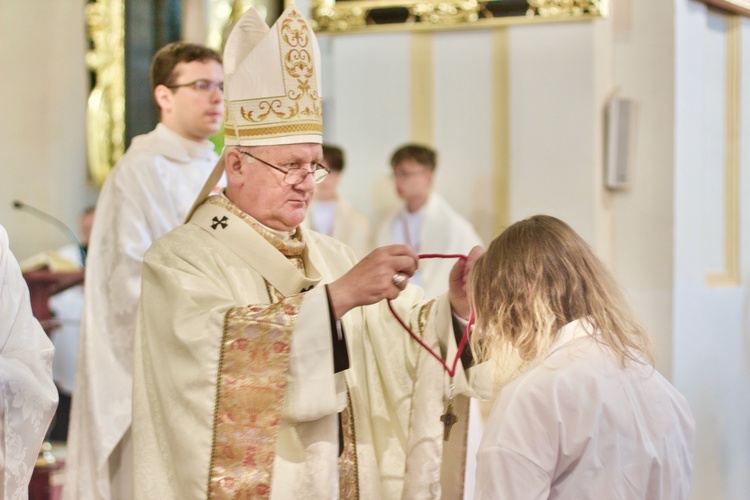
x=27 y=393
x=428 y=224
x=148 y=192
x=267 y=364
x=334 y=216
x=425 y=222
x=581 y=412
x=67 y=309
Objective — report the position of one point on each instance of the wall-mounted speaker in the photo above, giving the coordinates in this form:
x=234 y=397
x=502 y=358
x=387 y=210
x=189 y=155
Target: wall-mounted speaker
x=620 y=138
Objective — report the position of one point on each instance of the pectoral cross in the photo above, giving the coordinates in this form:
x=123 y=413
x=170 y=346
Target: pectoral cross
x=448 y=419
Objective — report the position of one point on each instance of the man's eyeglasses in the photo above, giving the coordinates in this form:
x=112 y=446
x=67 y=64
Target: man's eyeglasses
x=408 y=174
x=200 y=86
x=295 y=175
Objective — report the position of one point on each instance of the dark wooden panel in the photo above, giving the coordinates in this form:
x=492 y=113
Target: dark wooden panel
x=149 y=25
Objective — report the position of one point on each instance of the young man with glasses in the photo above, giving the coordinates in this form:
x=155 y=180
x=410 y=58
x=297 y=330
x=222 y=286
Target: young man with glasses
x=148 y=193
x=266 y=362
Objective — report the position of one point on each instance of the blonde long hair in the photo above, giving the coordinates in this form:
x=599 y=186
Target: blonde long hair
x=535 y=278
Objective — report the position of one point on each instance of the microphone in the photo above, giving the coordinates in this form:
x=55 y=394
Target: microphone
x=19 y=205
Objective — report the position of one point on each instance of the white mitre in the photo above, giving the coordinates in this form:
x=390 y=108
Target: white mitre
x=272 y=82
x=271 y=86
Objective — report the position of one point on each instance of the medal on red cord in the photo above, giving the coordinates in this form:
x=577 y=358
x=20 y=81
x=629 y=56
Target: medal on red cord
x=449 y=417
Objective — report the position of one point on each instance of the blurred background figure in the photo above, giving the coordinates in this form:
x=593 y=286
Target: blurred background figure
x=334 y=216
x=67 y=309
x=425 y=221
x=27 y=394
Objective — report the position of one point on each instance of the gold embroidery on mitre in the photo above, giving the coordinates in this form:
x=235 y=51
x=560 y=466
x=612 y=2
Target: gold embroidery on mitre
x=249 y=401
x=298 y=110
x=276 y=131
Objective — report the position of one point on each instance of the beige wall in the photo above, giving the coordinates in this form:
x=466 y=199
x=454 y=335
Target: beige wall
x=642 y=53
x=711 y=300
x=43 y=89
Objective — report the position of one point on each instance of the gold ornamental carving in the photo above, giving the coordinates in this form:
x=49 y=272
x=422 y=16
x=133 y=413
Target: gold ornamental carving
x=341 y=16
x=302 y=96
x=105 y=114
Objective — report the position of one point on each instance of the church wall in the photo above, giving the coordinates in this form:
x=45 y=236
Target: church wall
x=642 y=255
x=712 y=318
x=463 y=123
x=366 y=112
x=43 y=91
x=553 y=124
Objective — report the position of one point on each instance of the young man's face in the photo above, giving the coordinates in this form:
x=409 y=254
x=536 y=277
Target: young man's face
x=191 y=112
x=413 y=180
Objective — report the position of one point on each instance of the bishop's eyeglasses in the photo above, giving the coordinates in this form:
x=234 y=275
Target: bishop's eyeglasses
x=201 y=85
x=295 y=175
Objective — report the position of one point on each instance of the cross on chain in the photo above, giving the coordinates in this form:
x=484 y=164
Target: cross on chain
x=448 y=419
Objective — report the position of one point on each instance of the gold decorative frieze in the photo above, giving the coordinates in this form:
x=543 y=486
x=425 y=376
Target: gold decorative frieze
x=567 y=8
x=105 y=115
x=741 y=7
x=339 y=16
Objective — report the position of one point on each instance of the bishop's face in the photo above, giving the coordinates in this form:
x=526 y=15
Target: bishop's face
x=261 y=191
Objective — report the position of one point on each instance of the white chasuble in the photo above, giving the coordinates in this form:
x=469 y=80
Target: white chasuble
x=234 y=387
x=28 y=397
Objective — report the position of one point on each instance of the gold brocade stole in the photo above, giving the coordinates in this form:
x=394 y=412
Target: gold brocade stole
x=252 y=381
x=248 y=402
x=348 y=471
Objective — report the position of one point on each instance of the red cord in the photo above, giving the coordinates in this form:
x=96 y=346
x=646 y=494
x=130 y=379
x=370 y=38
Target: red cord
x=464 y=338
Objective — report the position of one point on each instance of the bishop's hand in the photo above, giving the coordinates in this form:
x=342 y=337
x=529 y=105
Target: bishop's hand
x=459 y=283
x=376 y=277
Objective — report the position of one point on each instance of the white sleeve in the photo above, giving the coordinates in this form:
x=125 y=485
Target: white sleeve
x=313 y=390
x=28 y=395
